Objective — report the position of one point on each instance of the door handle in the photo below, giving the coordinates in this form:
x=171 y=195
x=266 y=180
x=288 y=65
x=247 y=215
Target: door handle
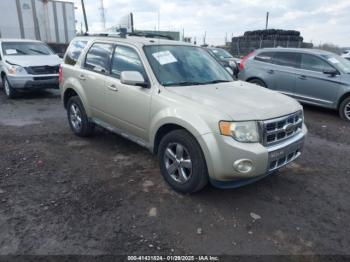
x=113 y=88
x=82 y=77
x=302 y=77
x=270 y=71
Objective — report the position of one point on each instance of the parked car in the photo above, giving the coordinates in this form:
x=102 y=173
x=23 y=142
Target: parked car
x=176 y=100
x=346 y=54
x=225 y=58
x=27 y=65
x=312 y=76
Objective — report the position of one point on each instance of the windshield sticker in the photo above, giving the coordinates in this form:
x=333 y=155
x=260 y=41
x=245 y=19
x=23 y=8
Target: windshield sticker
x=11 y=51
x=215 y=51
x=164 y=57
x=333 y=60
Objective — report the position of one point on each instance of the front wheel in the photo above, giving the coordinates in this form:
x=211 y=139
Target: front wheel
x=9 y=91
x=344 y=109
x=182 y=162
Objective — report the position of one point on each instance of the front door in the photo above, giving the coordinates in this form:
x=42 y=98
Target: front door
x=128 y=106
x=313 y=85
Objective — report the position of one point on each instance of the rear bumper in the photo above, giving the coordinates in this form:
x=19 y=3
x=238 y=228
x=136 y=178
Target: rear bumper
x=34 y=82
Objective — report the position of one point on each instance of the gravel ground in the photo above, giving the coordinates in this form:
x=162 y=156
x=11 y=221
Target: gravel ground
x=60 y=194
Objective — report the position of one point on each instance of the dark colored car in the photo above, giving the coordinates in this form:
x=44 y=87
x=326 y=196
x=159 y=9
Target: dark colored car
x=225 y=58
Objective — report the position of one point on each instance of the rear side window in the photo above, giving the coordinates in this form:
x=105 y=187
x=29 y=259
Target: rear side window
x=98 y=57
x=286 y=59
x=126 y=59
x=74 y=52
x=313 y=63
x=266 y=57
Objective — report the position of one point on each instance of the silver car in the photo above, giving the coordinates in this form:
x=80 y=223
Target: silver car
x=27 y=65
x=311 y=76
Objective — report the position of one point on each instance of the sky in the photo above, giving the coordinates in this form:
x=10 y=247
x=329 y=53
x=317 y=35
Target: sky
x=320 y=21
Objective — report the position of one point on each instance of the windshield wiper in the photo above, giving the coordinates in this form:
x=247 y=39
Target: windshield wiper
x=38 y=51
x=215 y=82
x=184 y=83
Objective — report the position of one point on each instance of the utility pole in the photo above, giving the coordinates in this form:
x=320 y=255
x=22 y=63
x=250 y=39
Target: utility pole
x=102 y=16
x=84 y=14
x=267 y=20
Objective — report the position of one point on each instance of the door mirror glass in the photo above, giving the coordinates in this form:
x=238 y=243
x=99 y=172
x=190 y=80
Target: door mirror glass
x=228 y=69
x=133 y=78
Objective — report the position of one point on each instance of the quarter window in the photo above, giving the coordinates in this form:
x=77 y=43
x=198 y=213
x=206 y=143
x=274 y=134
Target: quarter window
x=126 y=59
x=74 y=52
x=286 y=59
x=313 y=63
x=266 y=57
x=98 y=58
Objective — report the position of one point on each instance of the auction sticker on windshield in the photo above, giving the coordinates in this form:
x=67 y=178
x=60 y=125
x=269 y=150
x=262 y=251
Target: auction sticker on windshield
x=11 y=51
x=333 y=60
x=164 y=57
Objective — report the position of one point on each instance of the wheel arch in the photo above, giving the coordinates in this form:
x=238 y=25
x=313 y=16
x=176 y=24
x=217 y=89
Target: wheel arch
x=255 y=78
x=342 y=98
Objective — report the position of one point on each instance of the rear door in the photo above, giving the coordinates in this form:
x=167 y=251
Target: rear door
x=284 y=71
x=313 y=85
x=92 y=76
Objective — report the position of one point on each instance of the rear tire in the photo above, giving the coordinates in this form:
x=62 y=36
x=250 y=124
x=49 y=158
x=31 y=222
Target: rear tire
x=78 y=119
x=182 y=162
x=10 y=92
x=344 y=109
x=258 y=82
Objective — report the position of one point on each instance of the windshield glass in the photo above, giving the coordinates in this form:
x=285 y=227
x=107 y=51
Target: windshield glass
x=339 y=62
x=184 y=65
x=220 y=53
x=25 y=48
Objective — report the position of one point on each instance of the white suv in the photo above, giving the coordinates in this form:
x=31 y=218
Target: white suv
x=27 y=65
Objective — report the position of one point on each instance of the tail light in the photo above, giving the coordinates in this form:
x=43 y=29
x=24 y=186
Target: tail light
x=60 y=77
x=241 y=65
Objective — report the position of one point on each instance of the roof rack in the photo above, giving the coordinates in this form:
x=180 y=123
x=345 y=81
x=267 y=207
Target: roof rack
x=123 y=34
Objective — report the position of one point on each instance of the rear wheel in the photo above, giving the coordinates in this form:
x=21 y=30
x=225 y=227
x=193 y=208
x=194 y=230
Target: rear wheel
x=258 y=82
x=182 y=162
x=344 y=109
x=9 y=91
x=77 y=118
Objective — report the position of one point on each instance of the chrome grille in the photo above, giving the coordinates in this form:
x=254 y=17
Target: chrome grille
x=279 y=129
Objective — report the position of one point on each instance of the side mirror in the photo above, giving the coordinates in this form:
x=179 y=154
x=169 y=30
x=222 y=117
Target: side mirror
x=330 y=72
x=133 y=78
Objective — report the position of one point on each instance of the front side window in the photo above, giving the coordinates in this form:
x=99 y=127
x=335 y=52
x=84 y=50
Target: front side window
x=184 y=65
x=266 y=57
x=338 y=62
x=286 y=59
x=126 y=59
x=313 y=63
x=25 y=48
x=74 y=52
x=98 y=57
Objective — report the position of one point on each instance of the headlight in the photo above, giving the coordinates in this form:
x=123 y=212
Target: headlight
x=16 y=70
x=246 y=132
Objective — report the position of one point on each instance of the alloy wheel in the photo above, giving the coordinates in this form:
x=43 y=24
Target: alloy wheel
x=7 y=87
x=347 y=111
x=178 y=162
x=75 y=117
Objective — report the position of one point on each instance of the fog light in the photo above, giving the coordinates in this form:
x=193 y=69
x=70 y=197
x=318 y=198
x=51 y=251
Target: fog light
x=243 y=166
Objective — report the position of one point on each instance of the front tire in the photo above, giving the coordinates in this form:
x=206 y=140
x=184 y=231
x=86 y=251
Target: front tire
x=78 y=119
x=10 y=92
x=182 y=162
x=344 y=109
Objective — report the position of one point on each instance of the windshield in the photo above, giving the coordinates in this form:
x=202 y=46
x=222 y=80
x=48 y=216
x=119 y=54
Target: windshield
x=184 y=65
x=339 y=62
x=220 y=53
x=25 y=48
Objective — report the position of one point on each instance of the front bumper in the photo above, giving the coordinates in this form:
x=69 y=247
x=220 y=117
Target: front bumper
x=221 y=152
x=34 y=81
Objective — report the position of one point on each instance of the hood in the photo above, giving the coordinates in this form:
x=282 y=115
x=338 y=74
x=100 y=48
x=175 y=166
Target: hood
x=34 y=60
x=240 y=100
